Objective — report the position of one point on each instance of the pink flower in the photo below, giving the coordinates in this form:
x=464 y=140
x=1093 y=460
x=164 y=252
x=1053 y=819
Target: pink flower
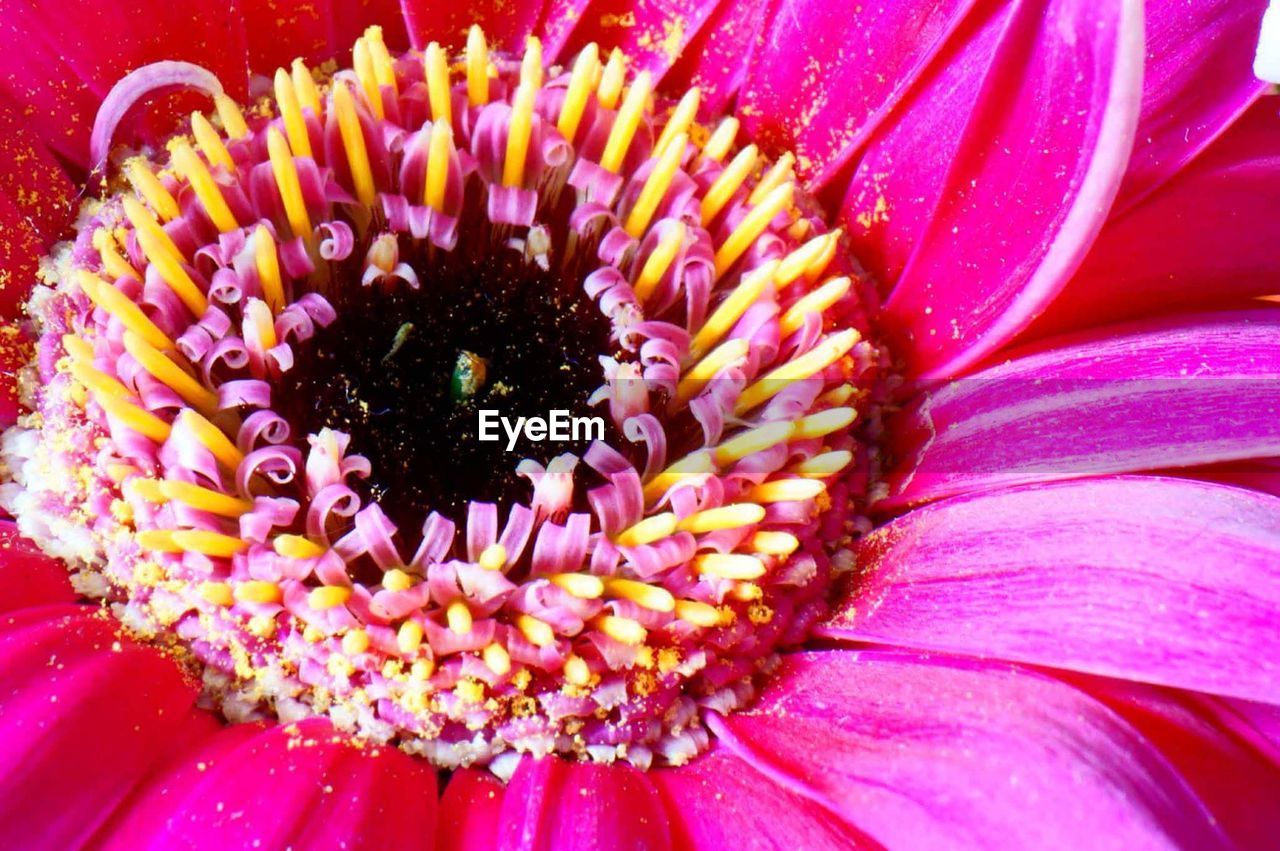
x=1061 y=632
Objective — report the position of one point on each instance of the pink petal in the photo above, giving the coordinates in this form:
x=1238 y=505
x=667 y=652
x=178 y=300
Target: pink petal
x=1166 y=581
x=1206 y=237
x=28 y=577
x=1031 y=160
x=718 y=800
x=33 y=179
x=469 y=811
x=555 y=805
x=717 y=58
x=652 y=33
x=935 y=753
x=825 y=74
x=303 y=786
x=506 y=25
x=84 y=714
x=1172 y=392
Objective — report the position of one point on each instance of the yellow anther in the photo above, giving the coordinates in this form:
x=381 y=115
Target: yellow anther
x=497 y=659
x=438 y=90
x=113 y=262
x=384 y=71
x=296 y=546
x=98 y=381
x=422 y=669
x=494 y=557
x=698 y=614
x=396 y=579
x=232 y=118
x=210 y=142
x=824 y=422
x=774 y=543
x=725 y=517
x=116 y=303
x=642 y=594
x=344 y=107
x=477 y=67
x=814 y=302
x=576 y=671
x=820 y=263
x=798 y=262
x=409 y=636
x=458 y=616
x=138 y=419
x=746 y=592
x=204 y=499
x=680 y=121
x=78 y=348
x=212 y=438
x=773 y=178
x=612 y=79
x=169 y=373
x=539 y=633
x=696 y=464
x=786 y=490
x=582 y=585
x=217 y=593
x=259 y=327
x=721 y=140
x=355 y=642
x=149 y=187
x=193 y=169
x=267 y=262
x=575 y=97
x=697 y=376
x=439 y=153
x=362 y=62
x=119 y=472
x=328 y=596
x=531 y=63
x=295 y=126
x=145 y=489
x=836 y=395
x=724 y=317
x=623 y=630
x=143 y=222
x=660 y=260
x=625 y=124
x=722 y=189
x=810 y=363
x=648 y=530
x=518 y=135
x=212 y=544
x=286 y=175
x=824 y=465
x=258 y=591
x=755 y=440
x=729 y=566
x=654 y=189
x=304 y=87
x=752 y=226
x=173 y=273
x=158 y=540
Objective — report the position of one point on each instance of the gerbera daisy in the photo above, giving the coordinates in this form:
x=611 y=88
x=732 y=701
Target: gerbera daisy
x=608 y=426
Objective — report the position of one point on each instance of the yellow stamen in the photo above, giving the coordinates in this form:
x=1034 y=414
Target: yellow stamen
x=477 y=67
x=819 y=263
x=699 y=463
x=119 y=472
x=304 y=87
x=576 y=671
x=212 y=438
x=531 y=63
x=458 y=617
x=98 y=381
x=642 y=594
x=173 y=273
x=353 y=143
x=204 y=499
x=660 y=260
x=731 y=309
x=439 y=153
x=810 y=363
x=409 y=636
x=698 y=614
x=725 y=517
x=119 y=305
x=836 y=396
x=145 y=489
x=746 y=592
x=755 y=440
x=494 y=557
x=296 y=546
x=258 y=323
x=384 y=70
x=143 y=222
x=157 y=540
x=627 y=122
x=328 y=596
x=268 y=265
x=210 y=142
x=647 y=531
x=575 y=97
x=362 y=62
x=78 y=348
x=697 y=376
x=497 y=659
x=720 y=141
x=212 y=544
x=286 y=175
x=772 y=179
x=232 y=118
x=518 y=135
x=539 y=633
x=680 y=121
x=138 y=419
x=191 y=167
x=611 y=81
x=169 y=373
x=774 y=543
x=295 y=126
x=396 y=579
x=422 y=669
x=355 y=642
x=218 y=593
x=752 y=226
x=113 y=262
x=149 y=187
x=815 y=302
x=438 y=92
x=258 y=591
x=729 y=565
x=623 y=630
x=824 y=465
x=786 y=490
x=654 y=189
x=730 y=180
x=582 y=585
x=824 y=422
x=798 y=262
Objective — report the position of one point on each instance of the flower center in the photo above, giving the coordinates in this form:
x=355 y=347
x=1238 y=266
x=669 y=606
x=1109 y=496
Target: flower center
x=262 y=369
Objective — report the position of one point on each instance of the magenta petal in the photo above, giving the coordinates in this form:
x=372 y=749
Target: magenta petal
x=33 y=179
x=506 y=25
x=652 y=33
x=1174 y=392
x=1166 y=581
x=20 y=251
x=1031 y=161
x=1257 y=724
x=555 y=805
x=302 y=786
x=934 y=753
x=28 y=577
x=825 y=74
x=717 y=58
x=469 y=811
